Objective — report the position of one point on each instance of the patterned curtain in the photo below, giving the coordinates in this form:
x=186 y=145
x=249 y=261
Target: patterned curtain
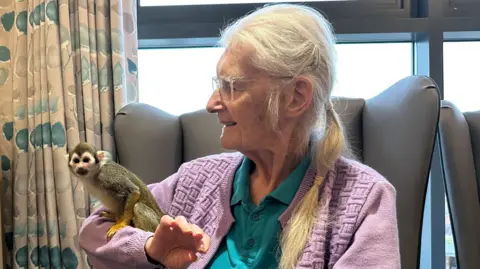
x=66 y=68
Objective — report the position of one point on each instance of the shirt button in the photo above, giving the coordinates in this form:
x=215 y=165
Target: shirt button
x=255 y=217
x=250 y=242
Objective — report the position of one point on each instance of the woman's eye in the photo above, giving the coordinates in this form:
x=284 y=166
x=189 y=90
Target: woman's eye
x=224 y=85
x=239 y=86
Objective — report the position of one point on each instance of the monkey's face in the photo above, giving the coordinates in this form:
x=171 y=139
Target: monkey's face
x=84 y=165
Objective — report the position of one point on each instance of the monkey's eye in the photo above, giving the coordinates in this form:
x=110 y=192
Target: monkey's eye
x=86 y=160
x=76 y=160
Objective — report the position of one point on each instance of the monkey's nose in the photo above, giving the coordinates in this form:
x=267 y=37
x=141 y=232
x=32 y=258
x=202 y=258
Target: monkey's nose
x=82 y=171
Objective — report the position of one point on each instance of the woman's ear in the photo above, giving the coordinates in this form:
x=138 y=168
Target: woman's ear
x=299 y=97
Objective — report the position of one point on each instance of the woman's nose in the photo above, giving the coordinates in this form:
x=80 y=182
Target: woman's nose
x=215 y=102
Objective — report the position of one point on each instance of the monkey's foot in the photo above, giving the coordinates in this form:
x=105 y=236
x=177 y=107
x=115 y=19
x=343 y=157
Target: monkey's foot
x=113 y=230
x=108 y=215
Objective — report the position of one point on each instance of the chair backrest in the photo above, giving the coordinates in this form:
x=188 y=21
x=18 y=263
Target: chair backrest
x=393 y=133
x=399 y=128
x=460 y=151
x=149 y=141
x=473 y=120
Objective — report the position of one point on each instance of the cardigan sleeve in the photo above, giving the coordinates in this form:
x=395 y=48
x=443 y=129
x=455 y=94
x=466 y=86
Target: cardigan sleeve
x=127 y=248
x=375 y=243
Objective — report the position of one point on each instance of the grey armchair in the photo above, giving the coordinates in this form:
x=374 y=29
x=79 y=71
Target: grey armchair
x=460 y=151
x=393 y=132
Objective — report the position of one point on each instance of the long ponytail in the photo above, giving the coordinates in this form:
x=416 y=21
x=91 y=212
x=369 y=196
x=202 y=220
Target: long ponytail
x=304 y=217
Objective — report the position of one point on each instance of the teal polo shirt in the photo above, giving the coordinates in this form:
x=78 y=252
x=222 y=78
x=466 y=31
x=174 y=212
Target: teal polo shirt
x=253 y=239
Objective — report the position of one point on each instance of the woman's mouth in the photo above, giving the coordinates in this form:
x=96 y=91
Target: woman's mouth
x=229 y=124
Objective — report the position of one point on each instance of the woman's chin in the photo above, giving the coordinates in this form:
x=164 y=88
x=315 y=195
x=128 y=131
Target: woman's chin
x=229 y=143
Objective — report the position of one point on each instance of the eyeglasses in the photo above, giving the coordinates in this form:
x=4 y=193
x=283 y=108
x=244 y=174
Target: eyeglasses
x=228 y=87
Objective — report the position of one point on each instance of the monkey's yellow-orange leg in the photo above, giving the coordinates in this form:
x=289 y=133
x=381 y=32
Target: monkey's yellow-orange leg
x=125 y=218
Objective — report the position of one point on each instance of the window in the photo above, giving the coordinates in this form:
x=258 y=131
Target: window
x=365 y=70
x=461 y=65
x=179 y=80
x=208 y=2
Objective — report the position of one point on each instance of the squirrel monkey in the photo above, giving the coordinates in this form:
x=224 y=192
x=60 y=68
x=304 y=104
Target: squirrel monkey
x=127 y=198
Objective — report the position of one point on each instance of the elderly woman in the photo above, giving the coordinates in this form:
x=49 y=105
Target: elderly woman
x=289 y=198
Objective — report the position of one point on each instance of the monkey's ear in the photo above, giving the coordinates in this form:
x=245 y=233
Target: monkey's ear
x=67 y=157
x=100 y=155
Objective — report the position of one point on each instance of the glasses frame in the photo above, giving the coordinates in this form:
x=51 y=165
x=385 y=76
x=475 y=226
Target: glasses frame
x=217 y=85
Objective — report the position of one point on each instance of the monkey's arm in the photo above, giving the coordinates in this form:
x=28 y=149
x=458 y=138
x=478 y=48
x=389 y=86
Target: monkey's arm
x=127 y=248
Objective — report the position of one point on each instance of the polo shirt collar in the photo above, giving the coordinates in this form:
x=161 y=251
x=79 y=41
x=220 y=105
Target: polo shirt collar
x=284 y=193
x=240 y=181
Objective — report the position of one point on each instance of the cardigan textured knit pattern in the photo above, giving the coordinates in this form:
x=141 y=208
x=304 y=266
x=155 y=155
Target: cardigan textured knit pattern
x=361 y=217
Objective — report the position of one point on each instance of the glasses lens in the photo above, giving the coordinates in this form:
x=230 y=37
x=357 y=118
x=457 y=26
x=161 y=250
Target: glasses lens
x=224 y=87
x=214 y=84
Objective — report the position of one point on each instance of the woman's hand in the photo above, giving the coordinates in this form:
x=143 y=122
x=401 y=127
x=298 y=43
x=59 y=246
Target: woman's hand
x=176 y=243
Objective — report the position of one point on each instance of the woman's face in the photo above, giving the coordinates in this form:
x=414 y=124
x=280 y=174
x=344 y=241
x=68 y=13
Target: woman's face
x=241 y=102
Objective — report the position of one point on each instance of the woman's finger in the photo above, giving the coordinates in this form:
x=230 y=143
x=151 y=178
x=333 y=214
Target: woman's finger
x=196 y=231
x=165 y=223
x=181 y=219
x=166 y=219
x=204 y=244
x=183 y=224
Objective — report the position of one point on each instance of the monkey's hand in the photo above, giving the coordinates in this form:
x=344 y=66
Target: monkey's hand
x=108 y=215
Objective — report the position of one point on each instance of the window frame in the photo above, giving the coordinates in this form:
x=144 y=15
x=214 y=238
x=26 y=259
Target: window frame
x=205 y=21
